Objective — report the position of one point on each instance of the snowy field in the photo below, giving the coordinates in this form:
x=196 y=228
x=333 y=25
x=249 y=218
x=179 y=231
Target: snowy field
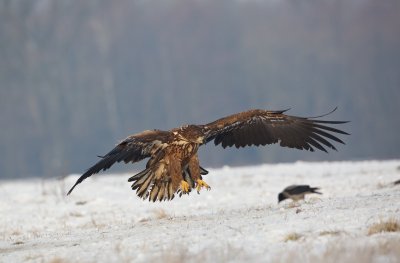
x=239 y=220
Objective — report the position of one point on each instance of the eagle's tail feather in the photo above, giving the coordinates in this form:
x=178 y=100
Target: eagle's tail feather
x=146 y=186
x=142 y=182
x=138 y=176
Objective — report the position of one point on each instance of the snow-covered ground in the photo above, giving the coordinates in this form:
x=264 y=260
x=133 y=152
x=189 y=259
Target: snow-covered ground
x=238 y=220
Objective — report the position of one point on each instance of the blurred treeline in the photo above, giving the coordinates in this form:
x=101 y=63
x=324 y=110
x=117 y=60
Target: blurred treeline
x=77 y=76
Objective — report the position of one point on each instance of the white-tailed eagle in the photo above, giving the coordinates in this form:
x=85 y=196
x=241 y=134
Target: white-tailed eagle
x=173 y=167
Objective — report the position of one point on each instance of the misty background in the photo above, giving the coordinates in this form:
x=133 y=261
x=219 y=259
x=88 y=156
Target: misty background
x=78 y=76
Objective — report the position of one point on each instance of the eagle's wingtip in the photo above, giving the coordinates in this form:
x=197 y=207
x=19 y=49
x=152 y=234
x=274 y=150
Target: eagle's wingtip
x=323 y=115
x=72 y=188
x=280 y=111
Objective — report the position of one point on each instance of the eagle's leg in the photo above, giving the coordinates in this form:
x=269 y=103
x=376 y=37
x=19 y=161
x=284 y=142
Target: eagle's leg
x=184 y=187
x=201 y=184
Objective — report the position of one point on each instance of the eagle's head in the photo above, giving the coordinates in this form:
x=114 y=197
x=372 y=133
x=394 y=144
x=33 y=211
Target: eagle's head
x=192 y=133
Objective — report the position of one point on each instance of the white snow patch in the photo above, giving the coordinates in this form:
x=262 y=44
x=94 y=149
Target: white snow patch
x=238 y=220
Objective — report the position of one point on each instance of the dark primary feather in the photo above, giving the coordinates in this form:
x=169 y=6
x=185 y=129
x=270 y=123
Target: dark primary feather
x=260 y=127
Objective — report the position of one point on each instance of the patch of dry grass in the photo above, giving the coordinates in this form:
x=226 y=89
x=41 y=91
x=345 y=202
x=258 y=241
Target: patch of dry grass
x=363 y=252
x=343 y=249
x=144 y=219
x=34 y=257
x=157 y=214
x=331 y=233
x=390 y=225
x=292 y=237
x=76 y=214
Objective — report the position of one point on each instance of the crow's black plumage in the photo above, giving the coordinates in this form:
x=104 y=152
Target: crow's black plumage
x=297 y=192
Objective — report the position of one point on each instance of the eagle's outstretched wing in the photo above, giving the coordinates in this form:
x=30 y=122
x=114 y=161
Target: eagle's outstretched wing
x=261 y=127
x=133 y=149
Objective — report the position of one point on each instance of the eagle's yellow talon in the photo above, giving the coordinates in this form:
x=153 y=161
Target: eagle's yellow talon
x=201 y=184
x=184 y=187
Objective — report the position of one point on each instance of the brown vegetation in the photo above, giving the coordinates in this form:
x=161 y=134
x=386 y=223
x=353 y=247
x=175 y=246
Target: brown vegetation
x=390 y=225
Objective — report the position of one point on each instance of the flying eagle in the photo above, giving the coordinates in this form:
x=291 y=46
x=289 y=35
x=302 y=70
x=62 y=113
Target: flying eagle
x=173 y=167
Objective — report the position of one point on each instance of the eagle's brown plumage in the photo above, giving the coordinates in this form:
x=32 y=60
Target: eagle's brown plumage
x=174 y=166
